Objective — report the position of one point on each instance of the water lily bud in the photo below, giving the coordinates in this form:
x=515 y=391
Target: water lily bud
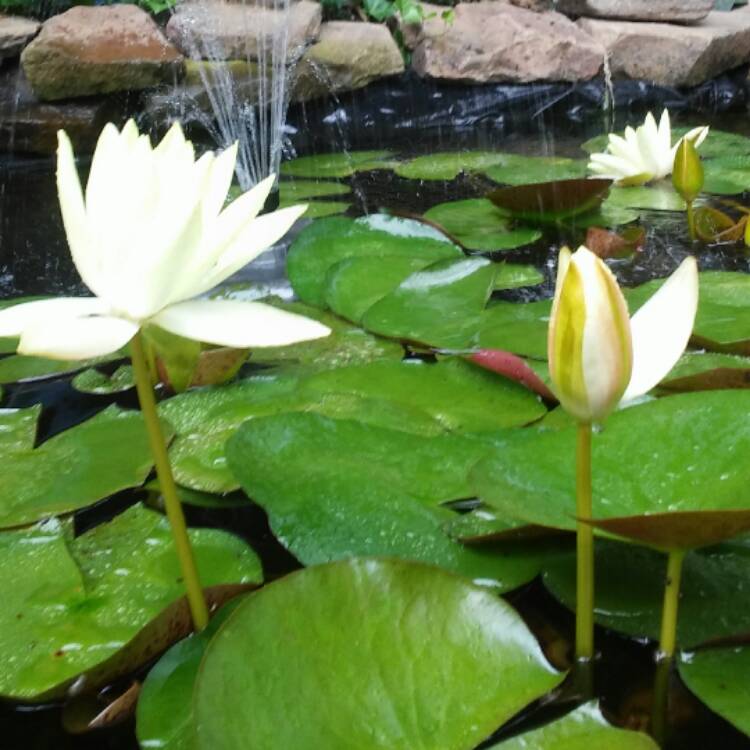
x=687 y=174
x=589 y=345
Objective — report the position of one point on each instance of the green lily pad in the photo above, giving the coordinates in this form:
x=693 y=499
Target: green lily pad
x=329 y=241
x=321 y=209
x=164 y=717
x=697 y=371
x=714 y=601
x=688 y=491
x=439 y=306
x=527 y=170
x=722 y=181
x=18 y=367
x=77 y=605
x=517 y=328
x=86 y=463
x=98 y=383
x=660 y=196
x=327 y=503
x=448 y=165
x=342 y=164
x=464 y=663
x=298 y=191
x=608 y=215
x=513 y=276
x=581 y=729
x=479 y=225
x=719 y=678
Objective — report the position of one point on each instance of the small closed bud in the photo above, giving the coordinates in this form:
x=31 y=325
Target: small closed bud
x=687 y=174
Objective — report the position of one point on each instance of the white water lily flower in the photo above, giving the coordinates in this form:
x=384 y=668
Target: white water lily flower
x=149 y=237
x=598 y=356
x=644 y=154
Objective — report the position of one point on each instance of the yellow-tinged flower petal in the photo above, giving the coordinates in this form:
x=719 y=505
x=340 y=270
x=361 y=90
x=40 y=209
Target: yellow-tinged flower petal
x=219 y=183
x=238 y=324
x=687 y=174
x=76 y=338
x=661 y=329
x=16 y=318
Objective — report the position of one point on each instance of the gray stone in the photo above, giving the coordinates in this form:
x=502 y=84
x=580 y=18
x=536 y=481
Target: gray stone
x=347 y=56
x=15 y=33
x=97 y=50
x=228 y=31
x=675 y=55
x=538 y=6
x=669 y=11
x=494 y=41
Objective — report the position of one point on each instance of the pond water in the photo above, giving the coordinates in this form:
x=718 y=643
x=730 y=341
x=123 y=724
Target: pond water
x=34 y=260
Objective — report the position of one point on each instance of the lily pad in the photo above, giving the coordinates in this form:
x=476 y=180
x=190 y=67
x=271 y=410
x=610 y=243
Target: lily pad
x=314 y=477
x=687 y=492
x=719 y=678
x=329 y=241
x=581 y=729
x=448 y=165
x=658 y=197
x=74 y=469
x=714 y=601
x=439 y=306
x=297 y=191
x=17 y=367
x=698 y=371
x=464 y=664
x=321 y=209
x=527 y=170
x=480 y=225
x=101 y=384
x=517 y=328
x=77 y=604
x=342 y=164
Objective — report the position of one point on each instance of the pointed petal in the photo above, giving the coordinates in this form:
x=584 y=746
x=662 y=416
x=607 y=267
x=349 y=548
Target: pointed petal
x=653 y=160
x=15 y=319
x=76 y=338
x=220 y=180
x=238 y=324
x=661 y=329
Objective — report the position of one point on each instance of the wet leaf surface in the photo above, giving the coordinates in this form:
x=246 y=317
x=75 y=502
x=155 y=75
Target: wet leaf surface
x=582 y=729
x=517 y=328
x=698 y=371
x=434 y=661
x=715 y=590
x=528 y=170
x=660 y=196
x=17 y=367
x=449 y=164
x=74 y=469
x=100 y=384
x=98 y=604
x=687 y=492
x=341 y=164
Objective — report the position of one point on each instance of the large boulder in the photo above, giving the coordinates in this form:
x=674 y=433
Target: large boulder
x=96 y=50
x=670 y=11
x=493 y=41
x=675 y=55
x=347 y=56
x=228 y=31
x=15 y=33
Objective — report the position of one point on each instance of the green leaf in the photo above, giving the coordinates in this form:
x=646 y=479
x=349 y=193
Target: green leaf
x=341 y=164
x=439 y=306
x=517 y=328
x=513 y=276
x=581 y=729
x=433 y=661
x=660 y=196
x=479 y=225
x=697 y=371
x=93 y=381
x=448 y=165
x=78 y=606
x=76 y=468
x=299 y=191
x=719 y=678
x=689 y=489
x=528 y=170
x=335 y=489
x=321 y=209
x=18 y=367
x=714 y=595
x=329 y=241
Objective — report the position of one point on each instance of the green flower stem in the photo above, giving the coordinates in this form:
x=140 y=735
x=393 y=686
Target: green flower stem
x=668 y=639
x=691 y=219
x=585 y=548
x=196 y=599
x=660 y=704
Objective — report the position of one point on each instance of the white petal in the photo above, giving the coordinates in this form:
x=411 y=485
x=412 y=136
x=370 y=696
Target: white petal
x=14 y=319
x=649 y=147
x=614 y=166
x=661 y=329
x=76 y=338
x=219 y=182
x=238 y=324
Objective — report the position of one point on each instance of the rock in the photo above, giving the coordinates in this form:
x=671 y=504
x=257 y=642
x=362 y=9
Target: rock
x=97 y=50
x=675 y=55
x=538 y=6
x=226 y=31
x=492 y=41
x=348 y=56
x=672 y=11
x=15 y=33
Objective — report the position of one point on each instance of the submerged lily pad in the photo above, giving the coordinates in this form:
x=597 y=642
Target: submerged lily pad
x=689 y=489
x=315 y=478
x=86 y=463
x=714 y=600
x=435 y=662
x=581 y=729
x=342 y=164
x=77 y=603
x=329 y=241
x=719 y=678
x=480 y=225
